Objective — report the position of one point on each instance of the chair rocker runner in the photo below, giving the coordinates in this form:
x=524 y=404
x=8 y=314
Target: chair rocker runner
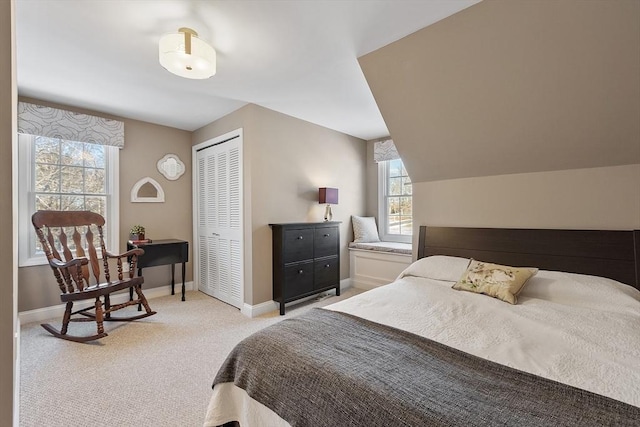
x=79 y=276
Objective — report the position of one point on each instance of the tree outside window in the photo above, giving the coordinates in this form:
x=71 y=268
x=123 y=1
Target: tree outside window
x=396 y=217
x=62 y=175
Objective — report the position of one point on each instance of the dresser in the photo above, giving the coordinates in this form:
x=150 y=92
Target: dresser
x=306 y=260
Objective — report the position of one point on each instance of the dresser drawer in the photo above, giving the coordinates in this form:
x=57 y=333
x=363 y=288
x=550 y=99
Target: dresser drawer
x=327 y=272
x=325 y=241
x=298 y=245
x=298 y=279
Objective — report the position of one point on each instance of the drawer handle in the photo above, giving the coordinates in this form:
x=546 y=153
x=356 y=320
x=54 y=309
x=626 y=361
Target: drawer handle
x=299 y=237
x=326 y=235
x=326 y=266
x=300 y=271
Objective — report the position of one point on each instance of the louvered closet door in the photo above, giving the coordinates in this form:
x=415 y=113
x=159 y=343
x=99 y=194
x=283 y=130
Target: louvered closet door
x=219 y=193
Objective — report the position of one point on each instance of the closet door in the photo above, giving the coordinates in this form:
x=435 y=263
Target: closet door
x=219 y=220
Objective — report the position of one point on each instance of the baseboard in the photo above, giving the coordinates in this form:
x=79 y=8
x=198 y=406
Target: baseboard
x=16 y=372
x=56 y=311
x=258 y=309
x=269 y=306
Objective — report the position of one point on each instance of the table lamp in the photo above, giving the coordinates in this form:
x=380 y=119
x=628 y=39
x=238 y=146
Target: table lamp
x=330 y=197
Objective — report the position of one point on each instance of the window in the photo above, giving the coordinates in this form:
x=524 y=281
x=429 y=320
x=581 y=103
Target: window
x=57 y=174
x=395 y=200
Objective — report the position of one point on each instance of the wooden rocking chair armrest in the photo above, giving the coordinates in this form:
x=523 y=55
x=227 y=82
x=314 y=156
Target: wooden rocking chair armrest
x=136 y=252
x=56 y=263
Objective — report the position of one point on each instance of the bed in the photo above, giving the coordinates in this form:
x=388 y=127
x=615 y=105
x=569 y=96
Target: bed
x=417 y=352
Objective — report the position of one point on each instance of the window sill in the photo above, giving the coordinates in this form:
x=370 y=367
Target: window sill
x=389 y=247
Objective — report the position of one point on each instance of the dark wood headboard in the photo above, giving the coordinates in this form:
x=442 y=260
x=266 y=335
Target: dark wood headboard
x=612 y=254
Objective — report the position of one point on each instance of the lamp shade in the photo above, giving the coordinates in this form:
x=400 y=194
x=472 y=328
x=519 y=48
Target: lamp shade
x=328 y=195
x=185 y=55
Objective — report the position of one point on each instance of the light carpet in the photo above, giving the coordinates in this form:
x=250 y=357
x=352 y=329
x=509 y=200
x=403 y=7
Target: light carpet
x=157 y=371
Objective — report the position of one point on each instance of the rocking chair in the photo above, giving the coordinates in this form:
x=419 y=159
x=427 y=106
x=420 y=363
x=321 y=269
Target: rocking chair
x=79 y=277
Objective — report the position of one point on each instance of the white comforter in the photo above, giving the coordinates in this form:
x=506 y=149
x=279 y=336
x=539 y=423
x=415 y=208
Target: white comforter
x=580 y=330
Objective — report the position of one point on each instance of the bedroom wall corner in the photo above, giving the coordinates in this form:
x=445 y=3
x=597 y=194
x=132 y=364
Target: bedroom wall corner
x=286 y=161
x=238 y=119
x=292 y=158
x=605 y=198
x=145 y=144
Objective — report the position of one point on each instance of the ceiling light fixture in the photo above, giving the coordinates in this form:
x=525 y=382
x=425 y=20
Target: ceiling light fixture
x=185 y=55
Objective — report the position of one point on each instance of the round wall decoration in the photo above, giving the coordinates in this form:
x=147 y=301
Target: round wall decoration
x=171 y=167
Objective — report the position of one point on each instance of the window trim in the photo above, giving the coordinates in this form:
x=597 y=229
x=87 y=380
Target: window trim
x=383 y=171
x=26 y=233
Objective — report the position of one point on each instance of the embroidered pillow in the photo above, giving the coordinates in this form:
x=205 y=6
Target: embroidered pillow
x=364 y=229
x=498 y=281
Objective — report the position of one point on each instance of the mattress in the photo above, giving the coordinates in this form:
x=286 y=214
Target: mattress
x=575 y=329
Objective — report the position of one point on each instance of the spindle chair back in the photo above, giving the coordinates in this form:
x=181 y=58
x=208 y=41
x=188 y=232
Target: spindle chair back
x=73 y=242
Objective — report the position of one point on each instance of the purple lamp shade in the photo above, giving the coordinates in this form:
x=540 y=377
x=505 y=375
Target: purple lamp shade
x=328 y=195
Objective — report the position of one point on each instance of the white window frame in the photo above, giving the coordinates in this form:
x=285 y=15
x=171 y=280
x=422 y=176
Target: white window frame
x=27 y=255
x=383 y=173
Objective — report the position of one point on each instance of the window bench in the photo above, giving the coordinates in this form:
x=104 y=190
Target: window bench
x=375 y=264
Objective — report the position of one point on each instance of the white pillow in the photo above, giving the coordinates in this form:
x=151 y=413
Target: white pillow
x=438 y=267
x=364 y=229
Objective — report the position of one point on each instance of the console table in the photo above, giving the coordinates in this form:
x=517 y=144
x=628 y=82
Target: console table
x=163 y=252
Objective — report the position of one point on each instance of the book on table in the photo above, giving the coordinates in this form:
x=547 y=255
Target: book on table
x=139 y=242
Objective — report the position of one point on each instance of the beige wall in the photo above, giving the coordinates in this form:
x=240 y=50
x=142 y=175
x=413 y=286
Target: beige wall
x=518 y=114
x=514 y=86
x=7 y=263
x=286 y=161
x=145 y=144
x=596 y=198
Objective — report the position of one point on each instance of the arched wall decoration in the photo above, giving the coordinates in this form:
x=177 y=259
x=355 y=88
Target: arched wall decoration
x=137 y=198
x=171 y=167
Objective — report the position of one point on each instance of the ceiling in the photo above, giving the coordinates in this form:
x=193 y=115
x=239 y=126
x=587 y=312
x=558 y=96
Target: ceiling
x=295 y=57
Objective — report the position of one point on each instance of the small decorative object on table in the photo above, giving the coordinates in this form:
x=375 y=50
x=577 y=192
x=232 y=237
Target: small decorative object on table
x=136 y=235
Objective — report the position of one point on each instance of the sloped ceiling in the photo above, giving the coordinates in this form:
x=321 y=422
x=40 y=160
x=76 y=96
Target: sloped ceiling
x=509 y=87
x=295 y=57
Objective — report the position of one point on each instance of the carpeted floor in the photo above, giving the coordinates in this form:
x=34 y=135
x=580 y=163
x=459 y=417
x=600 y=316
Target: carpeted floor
x=156 y=371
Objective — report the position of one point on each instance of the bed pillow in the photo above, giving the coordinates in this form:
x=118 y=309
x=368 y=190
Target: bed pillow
x=437 y=267
x=498 y=281
x=364 y=229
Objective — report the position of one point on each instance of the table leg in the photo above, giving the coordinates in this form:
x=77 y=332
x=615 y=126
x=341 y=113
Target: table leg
x=183 y=272
x=131 y=290
x=173 y=277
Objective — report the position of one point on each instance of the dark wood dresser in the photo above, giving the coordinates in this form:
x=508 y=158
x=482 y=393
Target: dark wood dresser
x=306 y=259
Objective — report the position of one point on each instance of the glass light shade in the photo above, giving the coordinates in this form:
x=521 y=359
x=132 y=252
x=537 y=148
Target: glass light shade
x=199 y=64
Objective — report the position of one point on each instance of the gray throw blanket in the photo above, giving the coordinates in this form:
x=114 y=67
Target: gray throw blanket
x=328 y=368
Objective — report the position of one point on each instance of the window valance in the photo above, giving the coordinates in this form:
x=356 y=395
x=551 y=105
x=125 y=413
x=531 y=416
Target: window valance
x=55 y=123
x=385 y=150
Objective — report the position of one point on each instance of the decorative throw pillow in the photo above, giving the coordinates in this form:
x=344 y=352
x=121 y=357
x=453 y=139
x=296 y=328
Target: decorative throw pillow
x=364 y=229
x=499 y=281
